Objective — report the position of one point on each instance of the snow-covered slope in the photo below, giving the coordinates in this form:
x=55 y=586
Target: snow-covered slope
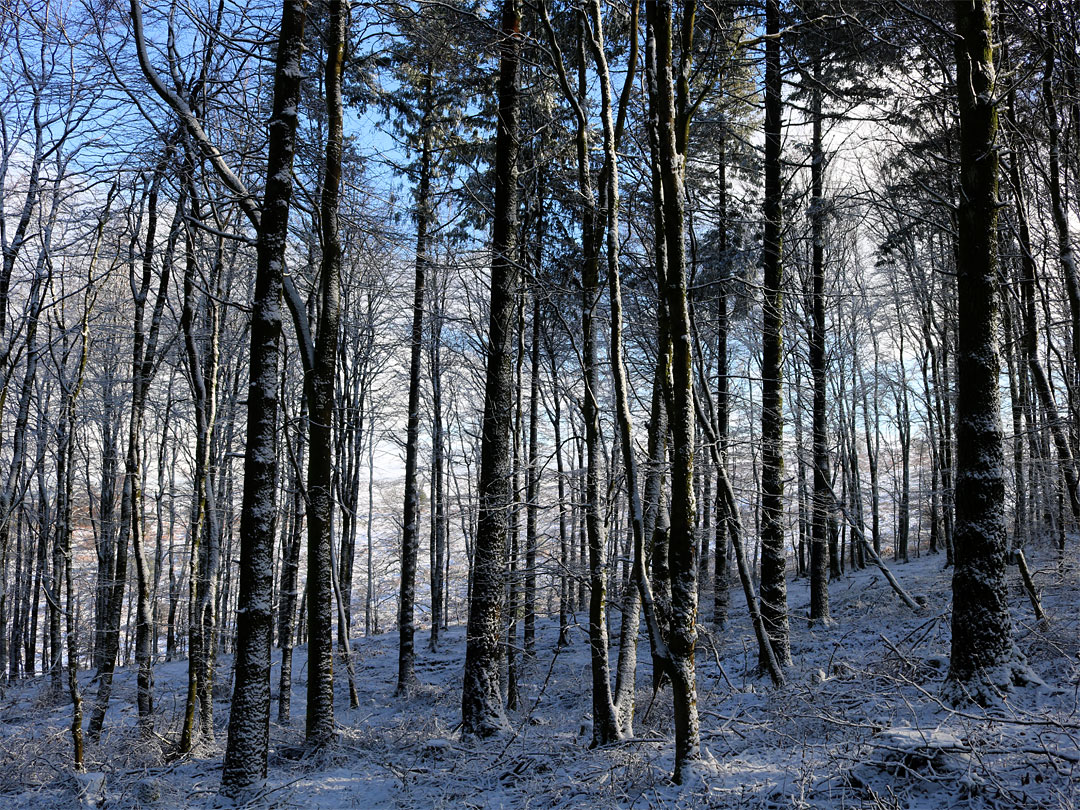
x=860 y=725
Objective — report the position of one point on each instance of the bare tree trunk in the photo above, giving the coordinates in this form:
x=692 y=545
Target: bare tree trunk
x=249 y=719
x=773 y=583
x=721 y=571
x=481 y=701
x=371 y=617
x=532 y=496
x=439 y=519
x=319 y=726
x=735 y=533
x=819 y=551
x=565 y=530
x=65 y=475
x=513 y=551
x=903 y=420
x=673 y=118
x=1029 y=334
x=1066 y=257
x=410 y=533
x=131 y=521
x=982 y=645
x=205 y=529
x=291 y=541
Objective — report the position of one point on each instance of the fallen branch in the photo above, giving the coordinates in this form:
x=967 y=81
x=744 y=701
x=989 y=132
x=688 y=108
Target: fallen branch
x=868 y=549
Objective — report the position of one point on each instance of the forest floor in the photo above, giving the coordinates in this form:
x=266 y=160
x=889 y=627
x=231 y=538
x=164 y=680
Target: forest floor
x=859 y=725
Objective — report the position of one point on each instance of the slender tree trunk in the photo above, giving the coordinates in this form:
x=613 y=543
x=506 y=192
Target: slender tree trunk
x=291 y=541
x=410 y=533
x=672 y=108
x=1029 y=336
x=513 y=552
x=131 y=519
x=320 y=477
x=65 y=475
x=565 y=536
x=1066 y=256
x=205 y=528
x=721 y=571
x=655 y=509
x=438 y=484
x=819 y=551
x=371 y=617
x=532 y=496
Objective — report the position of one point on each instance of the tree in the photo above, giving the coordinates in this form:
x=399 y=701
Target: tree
x=320 y=393
x=983 y=657
x=249 y=718
x=672 y=109
x=481 y=700
x=773 y=583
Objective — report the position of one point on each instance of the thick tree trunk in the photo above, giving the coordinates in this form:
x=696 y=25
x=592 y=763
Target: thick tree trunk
x=983 y=654
x=481 y=700
x=773 y=582
x=249 y=719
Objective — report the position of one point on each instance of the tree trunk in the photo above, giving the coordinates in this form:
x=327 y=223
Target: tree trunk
x=565 y=530
x=819 y=551
x=672 y=110
x=131 y=519
x=249 y=719
x=1066 y=257
x=438 y=484
x=291 y=542
x=205 y=528
x=513 y=552
x=410 y=532
x=481 y=700
x=773 y=583
x=982 y=645
x=319 y=725
x=532 y=497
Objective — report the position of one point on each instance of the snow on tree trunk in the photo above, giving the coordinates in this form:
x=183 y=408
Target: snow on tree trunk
x=819 y=549
x=672 y=111
x=773 y=593
x=983 y=655
x=320 y=519
x=249 y=718
x=481 y=699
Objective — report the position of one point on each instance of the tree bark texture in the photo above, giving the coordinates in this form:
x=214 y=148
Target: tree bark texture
x=249 y=718
x=481 y=698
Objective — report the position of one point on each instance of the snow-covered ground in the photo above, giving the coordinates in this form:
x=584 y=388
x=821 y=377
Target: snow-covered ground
x=859 y=725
